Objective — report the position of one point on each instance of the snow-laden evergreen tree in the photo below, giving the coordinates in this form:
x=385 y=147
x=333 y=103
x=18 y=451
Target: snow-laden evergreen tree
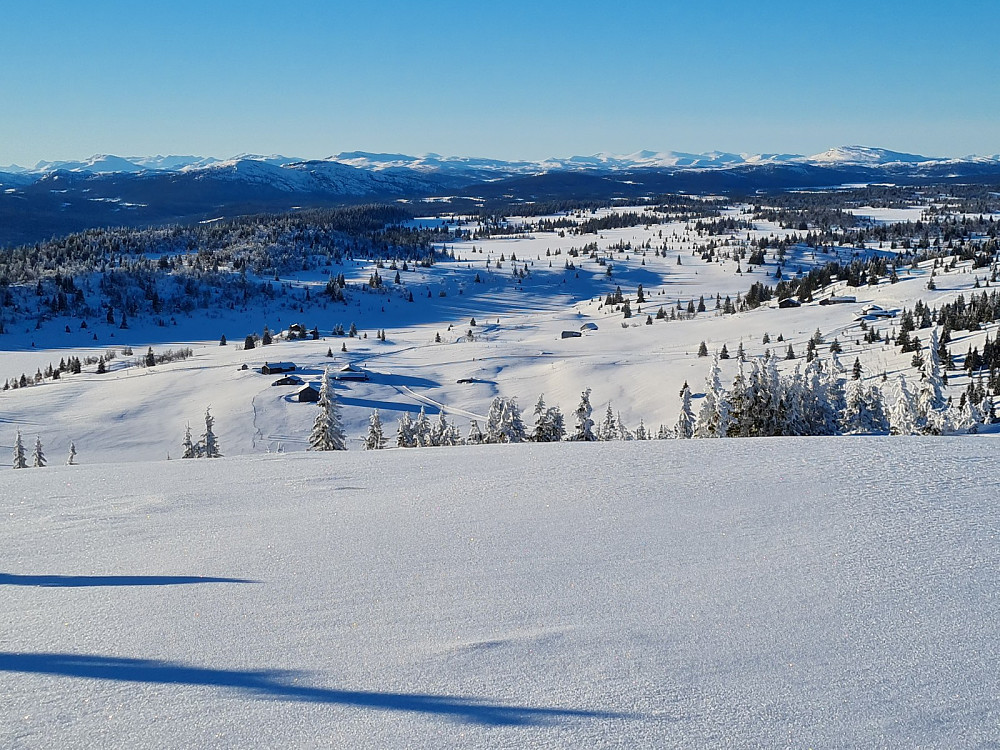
x=987 y=409
x=404 y=432
x=640 y=431
x=504 y=423
x=739 y=414
x=37 y=456
x=725 y=419
x=475 y=436
x=71 y=458
x=707 y=423
x=624 y=433
x=375 y=439
x=328 y=430
x=453 y=436
x=608 y=429
x=441 y=431
x=209 y=443
x=20 y=461
x=584 y=429
x=685 y=420
x=494 y=418
x=538 y=434
x=932 y=407
x=863 y=412
x=968 y=418
x=823 y=398
x=512 y=428
x=664 y=433
x=187 y=446
x=422 y=430
x=794 y=403
x=903 y=414
x=549 y=423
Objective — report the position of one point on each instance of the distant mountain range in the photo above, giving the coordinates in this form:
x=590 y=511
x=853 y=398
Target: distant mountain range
x=58 y=197
x=435 y=163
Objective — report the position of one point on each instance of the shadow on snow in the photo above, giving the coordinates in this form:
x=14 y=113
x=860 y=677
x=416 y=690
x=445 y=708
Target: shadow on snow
x=277 y=685
x=56 y=581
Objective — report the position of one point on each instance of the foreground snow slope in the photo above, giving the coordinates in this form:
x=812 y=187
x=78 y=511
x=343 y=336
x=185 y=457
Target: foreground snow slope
x=800 y=592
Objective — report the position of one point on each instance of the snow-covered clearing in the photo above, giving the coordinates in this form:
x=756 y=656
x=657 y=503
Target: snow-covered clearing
x=716 y=593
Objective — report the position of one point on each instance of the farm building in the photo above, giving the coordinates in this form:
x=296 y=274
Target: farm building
x=350 y=372
x=288 y=380
x=306 y=394
x=273 y=368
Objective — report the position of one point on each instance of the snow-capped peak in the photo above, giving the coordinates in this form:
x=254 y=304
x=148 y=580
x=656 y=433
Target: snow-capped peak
x=866 y=155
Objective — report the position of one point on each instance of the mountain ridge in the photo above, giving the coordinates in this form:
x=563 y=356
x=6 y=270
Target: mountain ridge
x=433 y=162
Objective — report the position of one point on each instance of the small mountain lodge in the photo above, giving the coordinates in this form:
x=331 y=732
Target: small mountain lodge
x=273 y=368
x=306 y=394
x=351 y=372
x=288 y=380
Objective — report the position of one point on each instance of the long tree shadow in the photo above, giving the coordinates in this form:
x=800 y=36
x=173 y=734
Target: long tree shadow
x=277 y=685
x=57 y=581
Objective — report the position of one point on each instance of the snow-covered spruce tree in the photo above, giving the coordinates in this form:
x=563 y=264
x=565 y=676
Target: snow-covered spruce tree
x=375 y=439
x=818 y=415
x=494 y=418
x=454 y=436
x=968 y=418
x=685 y=420
x=540 y=433
x=707 y=423
x=404 y=432
x=511 y=428
x=987 y=409
x=608 y=429
x=328 y=431
x=187 y=446
x=932 y=407
x=37 y=456
x=441 y=431
x=624 y=433
x=20 y=461
x=209 y=443
x=584 y=429
x=794 y=402
x=863 y=412
x=504 y=423
x=640 y=432
x=739 y=417
x=422 y=429
x=475 y=436
x=903 y=414
x=71 y=458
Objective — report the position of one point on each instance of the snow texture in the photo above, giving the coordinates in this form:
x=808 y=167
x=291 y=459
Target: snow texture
x=716 y=593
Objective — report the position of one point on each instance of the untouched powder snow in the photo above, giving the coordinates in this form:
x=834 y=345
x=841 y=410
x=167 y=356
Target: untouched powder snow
x=733 y=593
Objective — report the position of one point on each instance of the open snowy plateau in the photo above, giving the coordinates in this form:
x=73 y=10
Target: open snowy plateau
x=778 y=592
x=801 y=592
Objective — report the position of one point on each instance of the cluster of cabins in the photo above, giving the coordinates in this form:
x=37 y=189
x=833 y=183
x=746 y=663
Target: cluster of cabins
x=308 y=392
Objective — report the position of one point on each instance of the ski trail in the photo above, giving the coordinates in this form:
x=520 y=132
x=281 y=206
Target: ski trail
x=431 y=402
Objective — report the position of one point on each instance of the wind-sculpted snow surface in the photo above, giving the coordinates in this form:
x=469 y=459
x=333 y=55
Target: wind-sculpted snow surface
x=717 y=593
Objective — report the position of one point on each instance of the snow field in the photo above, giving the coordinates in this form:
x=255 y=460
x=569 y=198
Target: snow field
x=729 y=593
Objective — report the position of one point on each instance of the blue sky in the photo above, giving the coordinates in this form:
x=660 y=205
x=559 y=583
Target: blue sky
x=508 y=80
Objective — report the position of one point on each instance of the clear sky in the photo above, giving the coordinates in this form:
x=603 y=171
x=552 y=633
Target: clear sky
x=508 y=80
